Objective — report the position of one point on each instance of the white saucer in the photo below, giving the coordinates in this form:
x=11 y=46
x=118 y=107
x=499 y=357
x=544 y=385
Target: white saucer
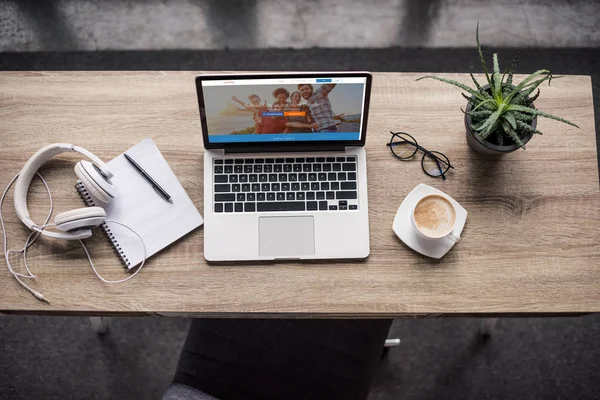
x=404 y=229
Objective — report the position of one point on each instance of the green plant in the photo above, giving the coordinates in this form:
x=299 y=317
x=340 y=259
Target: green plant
x=502 y=113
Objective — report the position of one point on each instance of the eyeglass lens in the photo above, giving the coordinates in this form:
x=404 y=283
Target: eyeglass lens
x=435 y=163
x=403 y=146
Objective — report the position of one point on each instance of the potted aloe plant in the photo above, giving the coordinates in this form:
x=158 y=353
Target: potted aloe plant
x=500 y=117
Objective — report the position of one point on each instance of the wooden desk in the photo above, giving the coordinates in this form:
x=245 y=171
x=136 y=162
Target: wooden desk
x=531 y=243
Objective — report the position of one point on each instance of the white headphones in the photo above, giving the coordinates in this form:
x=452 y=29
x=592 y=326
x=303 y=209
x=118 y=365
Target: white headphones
x=74 y=224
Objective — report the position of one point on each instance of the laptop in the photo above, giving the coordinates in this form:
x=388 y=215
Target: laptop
x=285 y=174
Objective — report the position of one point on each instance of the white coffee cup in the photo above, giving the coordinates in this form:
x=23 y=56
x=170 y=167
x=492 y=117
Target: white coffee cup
x=434 y=217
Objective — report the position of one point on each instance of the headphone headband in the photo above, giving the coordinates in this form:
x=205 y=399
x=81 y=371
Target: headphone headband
x=29 y=170
x=99 y=163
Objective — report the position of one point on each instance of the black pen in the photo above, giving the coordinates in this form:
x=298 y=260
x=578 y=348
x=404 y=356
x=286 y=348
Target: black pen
x=155 y=185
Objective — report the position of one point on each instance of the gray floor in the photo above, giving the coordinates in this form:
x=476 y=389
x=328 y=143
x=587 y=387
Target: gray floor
x=528 y=358
x=53 y=25
x=62 y=358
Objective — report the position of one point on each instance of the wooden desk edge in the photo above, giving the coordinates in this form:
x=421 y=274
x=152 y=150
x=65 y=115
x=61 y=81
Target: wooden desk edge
x=242 y=315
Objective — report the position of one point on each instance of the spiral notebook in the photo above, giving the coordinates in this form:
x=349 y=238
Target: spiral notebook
x=140 y=207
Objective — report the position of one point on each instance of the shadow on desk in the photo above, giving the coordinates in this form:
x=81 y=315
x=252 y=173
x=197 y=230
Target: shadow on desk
x=262 y=263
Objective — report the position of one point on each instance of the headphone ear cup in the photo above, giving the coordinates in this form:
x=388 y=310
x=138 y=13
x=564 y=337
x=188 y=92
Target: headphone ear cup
x=94 y=182
x=80 y=218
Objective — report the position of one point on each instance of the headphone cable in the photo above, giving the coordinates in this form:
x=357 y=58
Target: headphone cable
x=28 y=242
x=35 y=234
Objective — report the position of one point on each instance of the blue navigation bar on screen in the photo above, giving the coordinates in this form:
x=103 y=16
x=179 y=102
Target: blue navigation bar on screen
x=284 y=137
x=322 y=80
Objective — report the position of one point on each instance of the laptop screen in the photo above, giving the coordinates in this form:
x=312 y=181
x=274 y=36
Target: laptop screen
x=284 y=109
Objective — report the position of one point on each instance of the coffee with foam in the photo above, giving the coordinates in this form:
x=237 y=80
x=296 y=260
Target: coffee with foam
x=434 y=216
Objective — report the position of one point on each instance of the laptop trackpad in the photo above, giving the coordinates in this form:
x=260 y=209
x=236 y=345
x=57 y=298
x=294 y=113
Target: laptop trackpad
x=286 y=236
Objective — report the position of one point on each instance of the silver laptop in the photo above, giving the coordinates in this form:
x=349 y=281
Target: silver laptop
x=285 y=174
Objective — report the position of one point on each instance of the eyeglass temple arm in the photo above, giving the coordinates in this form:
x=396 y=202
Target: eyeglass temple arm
x=397 y=134
x=437 y=161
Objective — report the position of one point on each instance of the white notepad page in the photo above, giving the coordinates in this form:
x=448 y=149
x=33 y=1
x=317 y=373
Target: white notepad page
x=138 y=205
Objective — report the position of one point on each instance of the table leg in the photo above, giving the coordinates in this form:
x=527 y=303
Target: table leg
x=99 y=324
x=487 y=326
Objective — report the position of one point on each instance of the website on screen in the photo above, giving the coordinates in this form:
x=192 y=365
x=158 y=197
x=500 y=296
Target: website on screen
x=296 y=109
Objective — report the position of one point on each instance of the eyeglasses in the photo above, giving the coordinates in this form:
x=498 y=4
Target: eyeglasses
x=404 y=147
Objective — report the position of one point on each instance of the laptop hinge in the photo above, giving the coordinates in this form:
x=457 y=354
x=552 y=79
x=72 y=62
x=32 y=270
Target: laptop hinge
x=286 y=149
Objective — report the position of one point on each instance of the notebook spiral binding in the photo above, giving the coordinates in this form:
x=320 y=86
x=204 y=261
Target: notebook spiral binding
x=89 y=201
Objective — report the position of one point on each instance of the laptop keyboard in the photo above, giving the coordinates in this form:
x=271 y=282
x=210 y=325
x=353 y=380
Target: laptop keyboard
x=285 y=184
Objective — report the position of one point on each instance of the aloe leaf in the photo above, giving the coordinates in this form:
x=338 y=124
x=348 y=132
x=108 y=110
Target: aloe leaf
x=477 y=85
x=496 y=64
x=534 y=98
x=474 y=102
x=527 y=128
x=530 y=87
x=534 y=85
x=485 y=133
x=491 y=102
x=525 y=82
x=497 y=87
x=528 y=80
x=512 y=134
x=491 y=122
x=538 y=82
x=524 y=117
x=455 y=83
x=529 y=110
x=524 y=94
x=478 y=127
x=506 y=90
x=497 y=90
x=554 y=77
x=478 y=114
x=481 y=58
x=511 y=71
x=528 y=83
x=503 y=77
x=510 y=118
x=469 y=99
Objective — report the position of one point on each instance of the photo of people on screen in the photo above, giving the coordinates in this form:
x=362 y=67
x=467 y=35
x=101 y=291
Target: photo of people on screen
x=283 y=109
